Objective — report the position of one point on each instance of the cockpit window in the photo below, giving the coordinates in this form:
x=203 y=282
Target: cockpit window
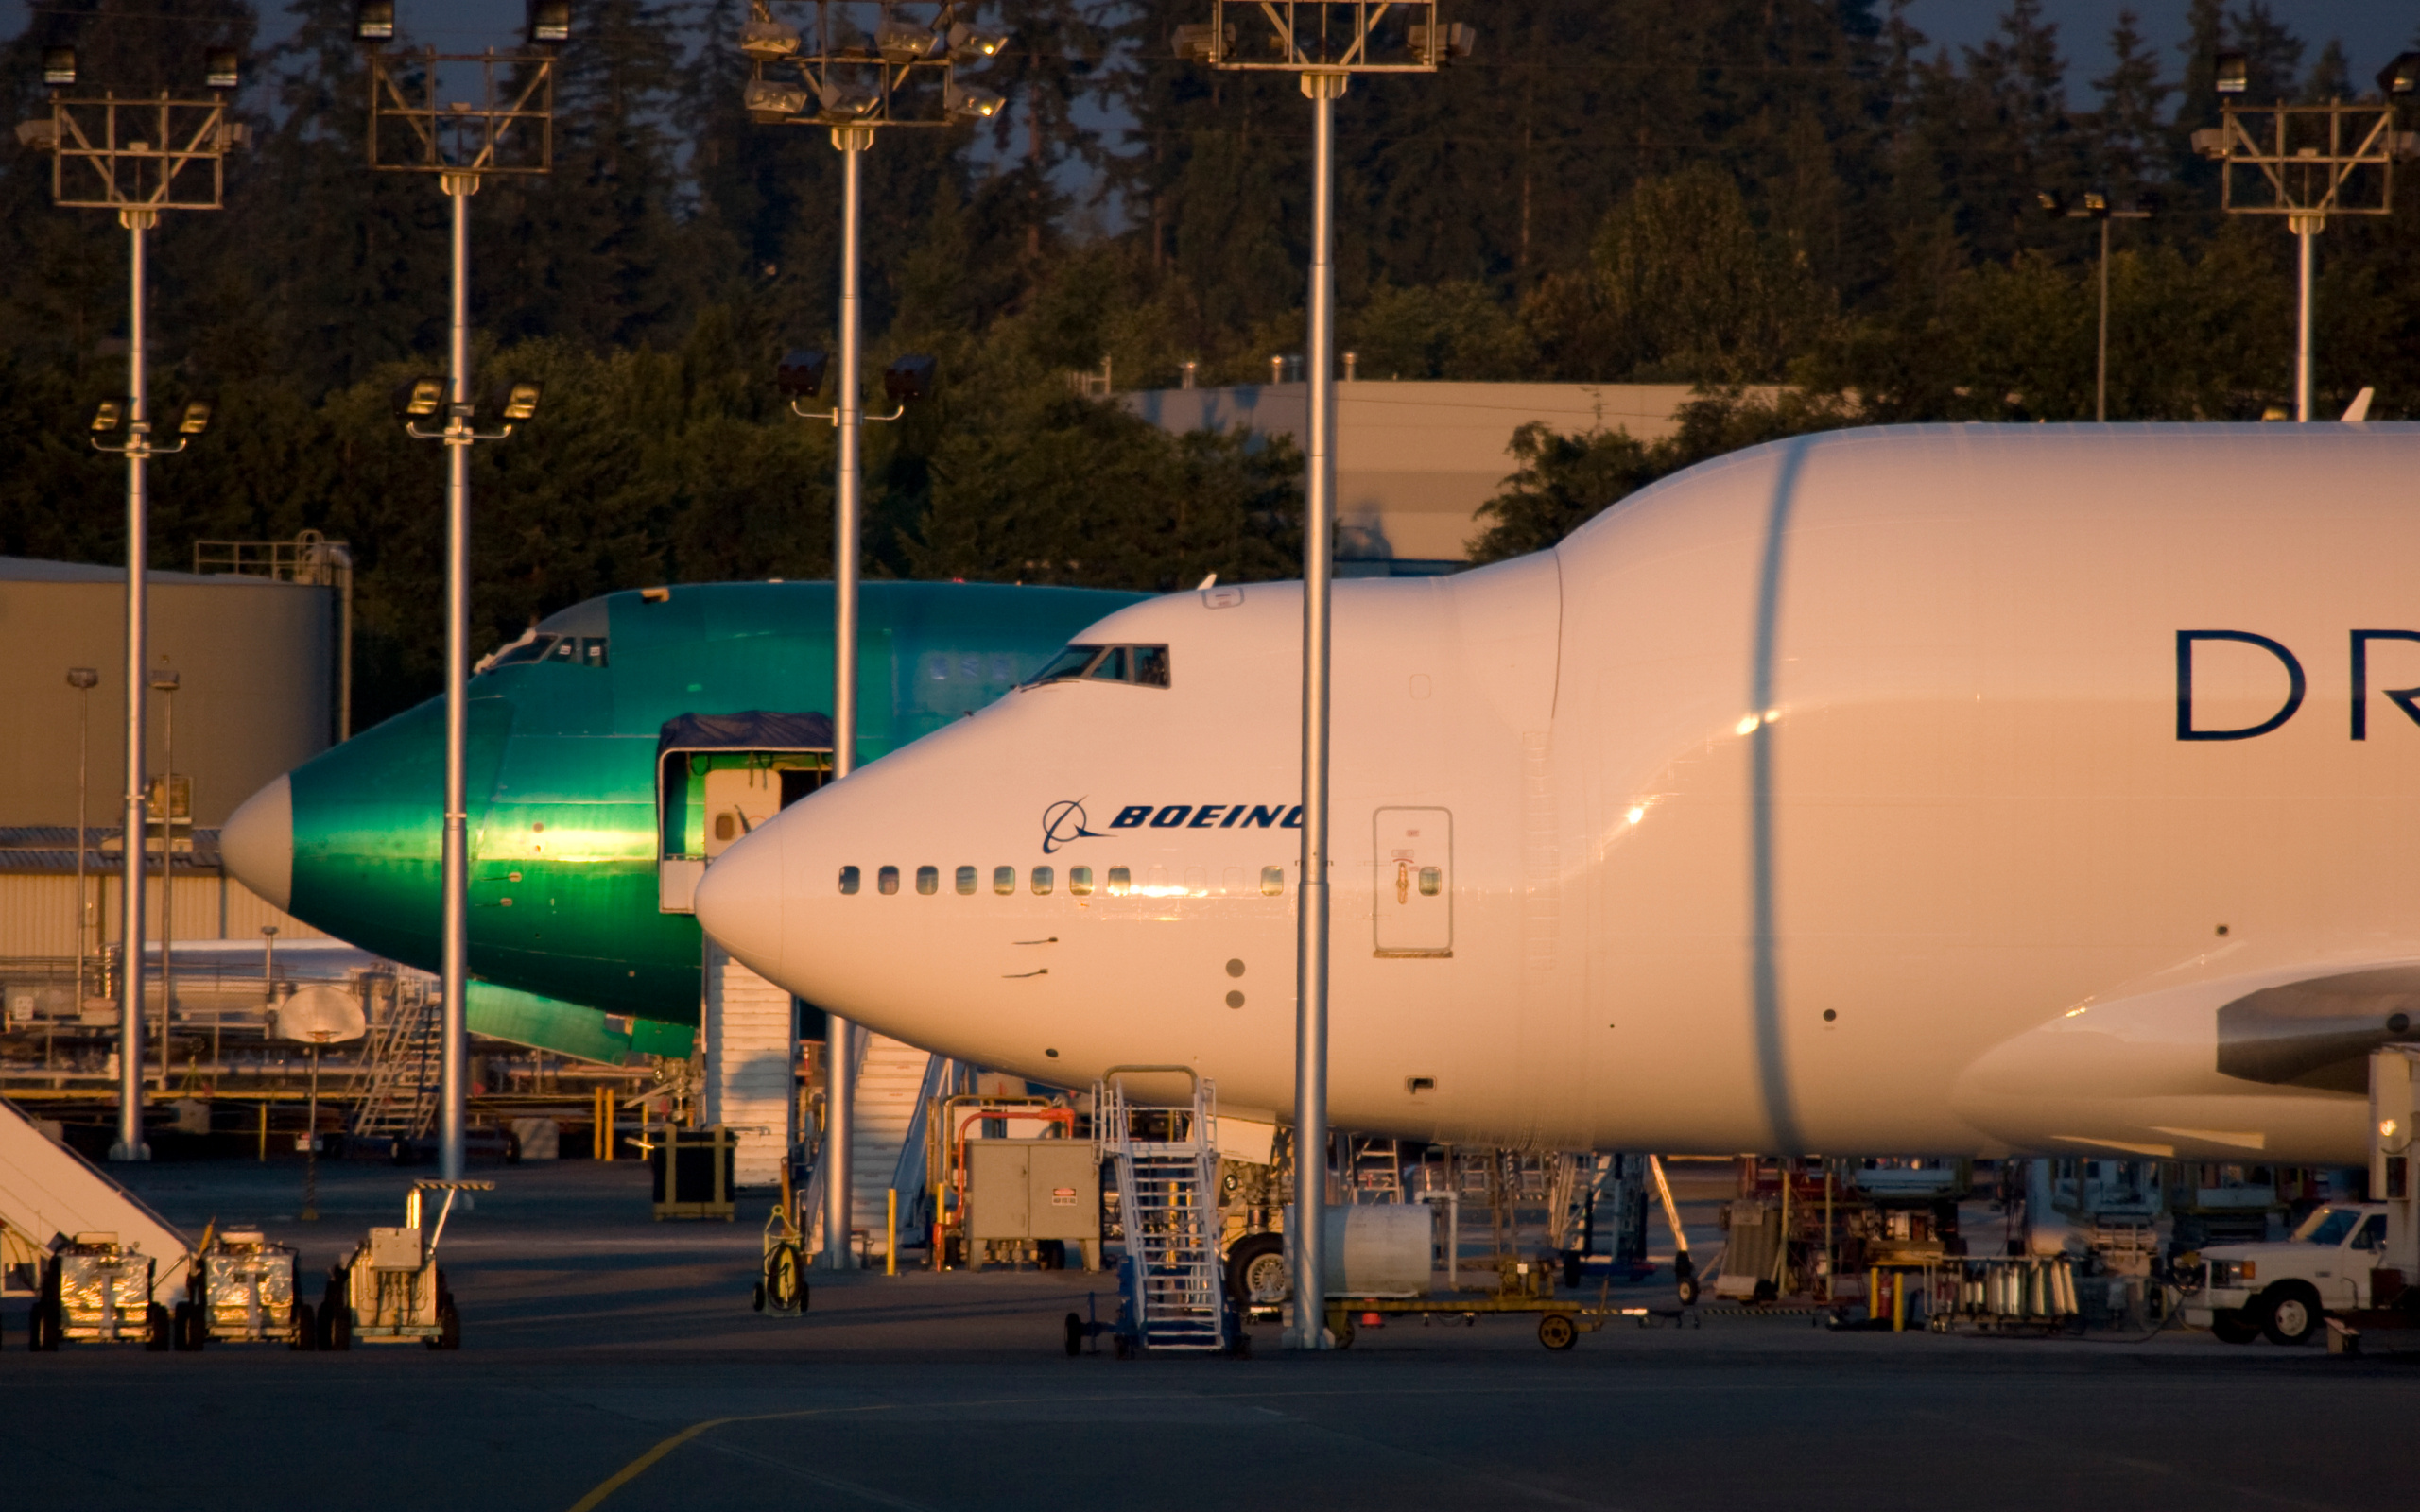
x=1144 y=666
x=534 y=648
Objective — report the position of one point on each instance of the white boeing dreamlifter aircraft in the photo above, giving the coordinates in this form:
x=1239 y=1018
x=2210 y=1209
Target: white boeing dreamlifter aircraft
x=1943 y=789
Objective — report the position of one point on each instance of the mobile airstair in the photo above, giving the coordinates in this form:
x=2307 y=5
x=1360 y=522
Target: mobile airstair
x=48 y=1191
x=1167 y=1168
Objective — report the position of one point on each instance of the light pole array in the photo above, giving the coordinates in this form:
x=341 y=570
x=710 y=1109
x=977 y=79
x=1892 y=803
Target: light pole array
x=2307 y=162
x=2095 y=205
x=853 y=81
x=136 y=157
x=1324 y=43
x=508 y=130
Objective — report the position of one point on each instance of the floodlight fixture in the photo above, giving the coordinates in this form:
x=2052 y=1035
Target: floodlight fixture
x=800 y=373
x=769 y=40
x=969 y=103
x=374 y=21
x=2232 y=74
x=59 y=67
x=164 y=681
x=1440 y=43
x=422 y=397
x=844 y=103
x=909 y=378
x=41 y=134
x=549 y=22
x=81 y=678
x=768 y=101
x=521 y=401
x=2053 y=203
x=1200 y=41
x=900 y=43
x=2401 y=76
x=108 y=416
x=222 y=68
x=197 y=417
x=967 y=44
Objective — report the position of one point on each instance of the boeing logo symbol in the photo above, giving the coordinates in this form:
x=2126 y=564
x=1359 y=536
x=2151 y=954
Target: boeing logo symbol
x=1063 y=821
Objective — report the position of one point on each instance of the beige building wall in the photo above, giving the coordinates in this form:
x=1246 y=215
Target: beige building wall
x=257 y=664
x=1415 y=460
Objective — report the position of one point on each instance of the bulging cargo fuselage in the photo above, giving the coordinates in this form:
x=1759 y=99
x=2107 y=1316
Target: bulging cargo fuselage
x=1966 y=788
x=567 y=814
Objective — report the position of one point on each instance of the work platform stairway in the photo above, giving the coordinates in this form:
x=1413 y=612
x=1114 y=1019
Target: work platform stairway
x=894 y=1083
x=400 y=1064
x=1166 y=1169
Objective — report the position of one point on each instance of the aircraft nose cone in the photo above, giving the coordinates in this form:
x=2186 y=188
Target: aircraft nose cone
x=739 y=901
x=257 y=844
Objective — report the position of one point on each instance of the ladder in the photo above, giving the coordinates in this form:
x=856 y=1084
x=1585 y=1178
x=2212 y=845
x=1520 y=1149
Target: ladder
x=399 y=1061
x=1167 y=1170
x=1376 y=1170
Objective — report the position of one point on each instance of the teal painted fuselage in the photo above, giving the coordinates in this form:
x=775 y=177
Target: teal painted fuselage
x=565 y=834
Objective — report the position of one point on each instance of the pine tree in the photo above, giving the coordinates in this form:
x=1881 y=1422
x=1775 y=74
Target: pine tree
x=2126 y=140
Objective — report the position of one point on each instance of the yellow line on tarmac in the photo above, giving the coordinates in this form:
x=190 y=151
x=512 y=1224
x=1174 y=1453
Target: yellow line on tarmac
x=645 y=1462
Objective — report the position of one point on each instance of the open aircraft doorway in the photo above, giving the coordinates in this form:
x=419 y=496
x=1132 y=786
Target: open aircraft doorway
x=718 y=778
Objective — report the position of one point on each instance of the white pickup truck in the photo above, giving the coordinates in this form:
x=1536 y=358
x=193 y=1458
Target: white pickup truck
x=2284 y=1289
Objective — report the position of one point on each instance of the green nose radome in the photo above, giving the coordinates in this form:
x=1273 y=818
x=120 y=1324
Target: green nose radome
x=257 y=843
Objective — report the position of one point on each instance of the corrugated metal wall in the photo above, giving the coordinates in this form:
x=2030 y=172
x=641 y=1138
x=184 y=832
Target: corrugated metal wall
x=38 y=912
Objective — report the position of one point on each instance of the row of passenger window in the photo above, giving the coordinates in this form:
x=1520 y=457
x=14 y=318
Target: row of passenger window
x=1042 y=881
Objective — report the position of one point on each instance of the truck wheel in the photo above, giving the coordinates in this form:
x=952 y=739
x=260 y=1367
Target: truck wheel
x=1075 y=1335
x=306 y=1328
x=160 y=1329
x=1257 y=1270
x=1556 y=1332
x=2233 y=1326
x=2293 y=1314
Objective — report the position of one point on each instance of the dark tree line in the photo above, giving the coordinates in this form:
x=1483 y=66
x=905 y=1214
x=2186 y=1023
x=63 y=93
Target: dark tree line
x=1717 y=192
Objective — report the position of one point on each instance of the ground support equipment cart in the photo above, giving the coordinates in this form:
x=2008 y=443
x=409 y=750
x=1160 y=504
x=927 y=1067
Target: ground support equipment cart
x=96 y=1291
x=240 y=1290
x=391 y=1291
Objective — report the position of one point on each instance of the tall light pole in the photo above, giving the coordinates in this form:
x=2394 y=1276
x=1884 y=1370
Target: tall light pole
x=855 y=81
x=163 y=682
x=1324 y=43
x=2095 y=206
x=508 y=131
x=2307 y=162
x=83 y=679
x=135 y=158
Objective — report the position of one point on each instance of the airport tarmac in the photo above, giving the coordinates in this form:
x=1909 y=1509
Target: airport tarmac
x=608 y=1361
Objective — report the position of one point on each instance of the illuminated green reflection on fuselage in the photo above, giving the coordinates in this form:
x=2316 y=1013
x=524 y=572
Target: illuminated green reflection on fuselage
x=563 y=896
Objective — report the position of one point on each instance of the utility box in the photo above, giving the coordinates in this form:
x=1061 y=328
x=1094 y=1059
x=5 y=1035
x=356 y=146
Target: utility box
x=692 y=1171
x=1032 y=1189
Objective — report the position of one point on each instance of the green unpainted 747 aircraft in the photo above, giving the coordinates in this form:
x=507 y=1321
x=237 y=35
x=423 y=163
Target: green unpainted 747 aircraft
x=613 y=751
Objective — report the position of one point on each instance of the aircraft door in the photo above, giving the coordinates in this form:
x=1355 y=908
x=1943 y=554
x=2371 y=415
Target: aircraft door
x=738 y=800
x=1413 y=885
